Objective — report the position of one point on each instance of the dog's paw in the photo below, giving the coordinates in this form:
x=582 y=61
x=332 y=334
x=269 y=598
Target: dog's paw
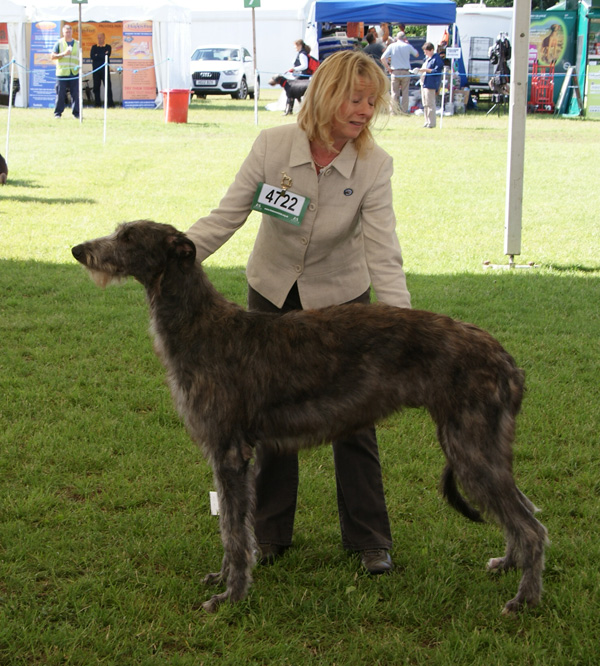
x=212 y=605
x=500 y=564
x=516 y=605
x=495 y=563
x=511 y=608
x=213 y=579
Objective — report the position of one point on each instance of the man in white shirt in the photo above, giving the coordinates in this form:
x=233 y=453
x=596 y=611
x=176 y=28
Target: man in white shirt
x=396 y=60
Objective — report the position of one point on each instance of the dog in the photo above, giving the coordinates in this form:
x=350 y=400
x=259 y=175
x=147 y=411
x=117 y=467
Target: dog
x=550 y=48
x=244 y=379
x=295 y=89
x=3 y=170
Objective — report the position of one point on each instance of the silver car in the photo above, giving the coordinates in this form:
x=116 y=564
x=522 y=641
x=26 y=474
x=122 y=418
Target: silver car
x=223 y=69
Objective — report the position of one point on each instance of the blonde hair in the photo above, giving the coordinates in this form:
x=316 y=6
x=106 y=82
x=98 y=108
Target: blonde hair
x=334 y=82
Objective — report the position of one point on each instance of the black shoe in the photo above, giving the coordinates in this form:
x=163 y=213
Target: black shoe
x=377 y=561
x=269 y=552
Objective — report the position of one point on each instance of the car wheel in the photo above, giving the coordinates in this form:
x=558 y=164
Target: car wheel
x=242 y=93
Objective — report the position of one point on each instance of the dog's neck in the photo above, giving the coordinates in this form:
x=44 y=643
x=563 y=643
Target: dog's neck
x=185 y=299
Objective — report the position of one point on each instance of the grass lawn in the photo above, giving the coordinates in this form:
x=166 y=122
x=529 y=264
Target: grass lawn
x=105 y=528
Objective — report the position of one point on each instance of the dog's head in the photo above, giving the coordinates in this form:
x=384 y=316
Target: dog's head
x=143 y=249
x=278 y=79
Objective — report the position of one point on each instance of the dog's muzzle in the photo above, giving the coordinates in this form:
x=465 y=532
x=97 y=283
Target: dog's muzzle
x=79 y=253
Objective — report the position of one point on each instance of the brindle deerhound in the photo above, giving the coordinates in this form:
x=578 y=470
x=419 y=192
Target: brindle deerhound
x=244 y=379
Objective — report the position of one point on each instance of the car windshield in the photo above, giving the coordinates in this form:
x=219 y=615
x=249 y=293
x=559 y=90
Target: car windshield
x=223 y=54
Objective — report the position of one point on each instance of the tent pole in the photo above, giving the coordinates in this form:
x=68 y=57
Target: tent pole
x=10 y=94
x=255 y=69
x=106 y=75
x=80 y=81
x=516 y=136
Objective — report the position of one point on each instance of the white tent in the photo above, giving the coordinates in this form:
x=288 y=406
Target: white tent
x=15 y=17
x=481 y=21
x=171 y=29
x=279 y=23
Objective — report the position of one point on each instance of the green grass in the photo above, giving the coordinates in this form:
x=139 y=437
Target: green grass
x=105 y=532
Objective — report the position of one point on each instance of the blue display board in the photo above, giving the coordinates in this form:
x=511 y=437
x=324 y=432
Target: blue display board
x=42 y=74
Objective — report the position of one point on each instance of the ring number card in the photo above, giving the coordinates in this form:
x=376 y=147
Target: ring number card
x=279 y=202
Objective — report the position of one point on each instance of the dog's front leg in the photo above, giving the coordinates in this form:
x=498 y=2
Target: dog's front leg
x=235 y=487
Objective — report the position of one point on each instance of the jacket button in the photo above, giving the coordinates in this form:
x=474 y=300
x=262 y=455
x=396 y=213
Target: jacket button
x=312 y=206
x=304 y=241
x=298 y=269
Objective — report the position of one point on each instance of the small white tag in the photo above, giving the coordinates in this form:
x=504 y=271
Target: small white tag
x=214 y=503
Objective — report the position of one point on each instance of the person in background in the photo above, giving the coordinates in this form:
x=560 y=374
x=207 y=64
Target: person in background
x=396 y=60
x=374 y=48
x=300 y=68
x=66 y=55
x=431 y=79
x=344 y=242
x=98 y=54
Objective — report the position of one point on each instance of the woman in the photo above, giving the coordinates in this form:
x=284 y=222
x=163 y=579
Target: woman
x=345 y=241
x=431 y=78
x=300 y=68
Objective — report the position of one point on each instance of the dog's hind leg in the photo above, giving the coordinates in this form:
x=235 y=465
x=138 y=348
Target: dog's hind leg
x=234 y=480
x=525 y=538
x=480 y=455
x=495 y=491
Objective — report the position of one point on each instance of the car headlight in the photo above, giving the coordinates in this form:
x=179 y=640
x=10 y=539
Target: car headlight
x=230 y=72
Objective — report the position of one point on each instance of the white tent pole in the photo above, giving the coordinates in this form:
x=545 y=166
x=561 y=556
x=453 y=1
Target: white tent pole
x=452 y=65
x=106 y=75
x=443 y=95
x=80 y=78
x=516 y=134
x=255 y=69
x=10 y=93
x=168 y=91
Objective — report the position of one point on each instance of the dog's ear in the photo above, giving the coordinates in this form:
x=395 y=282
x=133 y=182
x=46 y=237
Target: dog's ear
x=182 y=248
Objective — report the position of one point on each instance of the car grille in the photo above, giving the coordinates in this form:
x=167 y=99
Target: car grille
x=205 y=78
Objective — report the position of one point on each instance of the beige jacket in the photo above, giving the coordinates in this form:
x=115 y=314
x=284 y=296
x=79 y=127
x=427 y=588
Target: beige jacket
x=346 y=241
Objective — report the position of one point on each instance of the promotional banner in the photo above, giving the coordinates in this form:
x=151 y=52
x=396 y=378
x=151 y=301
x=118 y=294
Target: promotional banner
x=113 y=32
x=4 y=60
x=592 y=95
x=42 y=73
x=139 y=77
x=552 y=42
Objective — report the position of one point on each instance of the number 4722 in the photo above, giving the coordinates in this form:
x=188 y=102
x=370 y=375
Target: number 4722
x=281 y=199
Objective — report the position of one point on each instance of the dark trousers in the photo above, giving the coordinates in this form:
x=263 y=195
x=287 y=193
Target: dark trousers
x=98 y=81
x=361 y=502
x=64 y=83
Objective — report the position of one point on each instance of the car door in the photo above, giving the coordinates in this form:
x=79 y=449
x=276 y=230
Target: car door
x=249 y=68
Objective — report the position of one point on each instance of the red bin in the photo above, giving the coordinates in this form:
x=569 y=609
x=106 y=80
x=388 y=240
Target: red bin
x=176 y=104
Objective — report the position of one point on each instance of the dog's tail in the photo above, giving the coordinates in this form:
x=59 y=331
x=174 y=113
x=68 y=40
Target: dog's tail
x=455 y=499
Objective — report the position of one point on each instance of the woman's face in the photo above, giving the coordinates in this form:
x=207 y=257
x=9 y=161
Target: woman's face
x=355 y=114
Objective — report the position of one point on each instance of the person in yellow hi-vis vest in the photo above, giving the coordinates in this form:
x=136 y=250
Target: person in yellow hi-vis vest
x=66 y=55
